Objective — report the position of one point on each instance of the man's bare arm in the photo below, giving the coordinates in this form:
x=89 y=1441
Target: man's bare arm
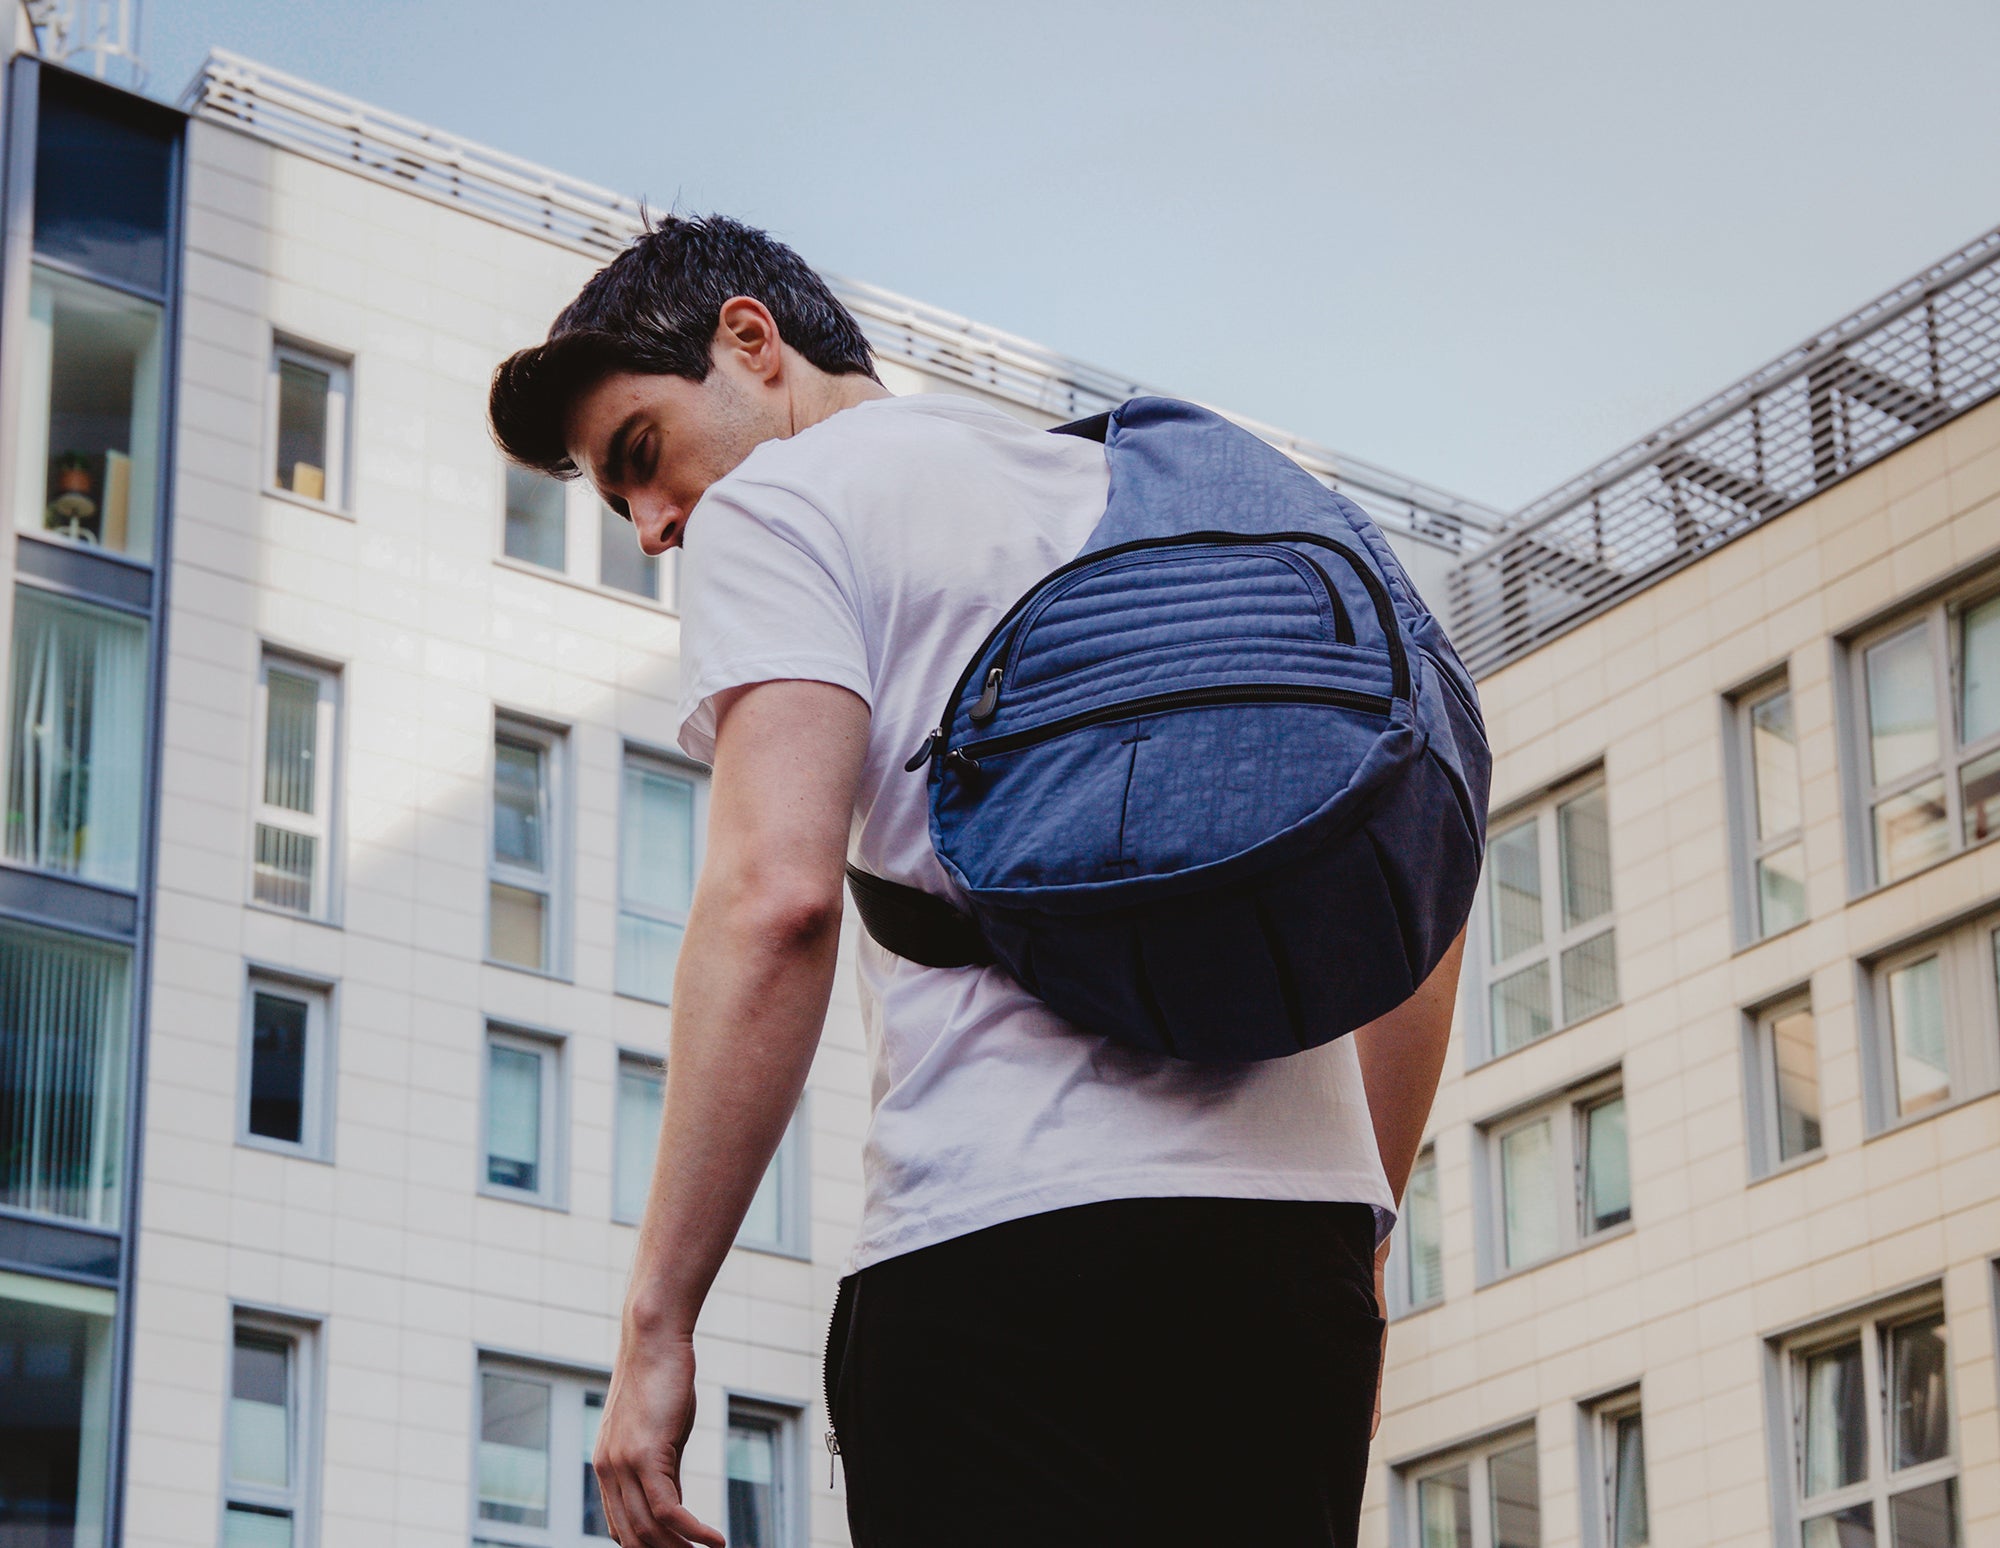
x=1402 y=1055
x=756 y=969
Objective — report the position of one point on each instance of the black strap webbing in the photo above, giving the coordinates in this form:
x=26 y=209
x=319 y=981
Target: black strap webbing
x=915 y=924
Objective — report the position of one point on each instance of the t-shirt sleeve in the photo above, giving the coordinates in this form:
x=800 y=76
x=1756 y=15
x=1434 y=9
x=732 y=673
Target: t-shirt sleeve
x=768 y=593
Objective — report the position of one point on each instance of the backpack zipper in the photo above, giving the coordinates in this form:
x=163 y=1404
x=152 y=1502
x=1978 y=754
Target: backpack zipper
x=966 y=758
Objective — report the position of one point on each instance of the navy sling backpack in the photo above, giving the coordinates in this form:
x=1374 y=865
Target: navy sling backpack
x=1216 y=788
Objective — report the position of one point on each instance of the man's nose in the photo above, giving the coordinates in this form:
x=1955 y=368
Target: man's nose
x=657 y=522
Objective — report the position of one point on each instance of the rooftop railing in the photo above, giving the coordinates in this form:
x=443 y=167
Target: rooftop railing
x=1900 y=366
x=402 y=152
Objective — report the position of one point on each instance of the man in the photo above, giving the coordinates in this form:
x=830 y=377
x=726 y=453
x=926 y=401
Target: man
x=1099 y=1297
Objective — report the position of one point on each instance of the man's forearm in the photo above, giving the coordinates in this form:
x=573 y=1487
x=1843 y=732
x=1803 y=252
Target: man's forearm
x=1402 y=1055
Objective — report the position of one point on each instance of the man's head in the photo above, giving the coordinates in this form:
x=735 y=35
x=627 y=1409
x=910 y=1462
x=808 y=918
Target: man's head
x=702 y=339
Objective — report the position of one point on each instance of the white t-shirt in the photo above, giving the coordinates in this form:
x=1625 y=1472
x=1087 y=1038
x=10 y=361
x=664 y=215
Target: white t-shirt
x=874 y=551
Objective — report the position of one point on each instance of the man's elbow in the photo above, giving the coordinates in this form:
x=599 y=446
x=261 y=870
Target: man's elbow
x=785 y=913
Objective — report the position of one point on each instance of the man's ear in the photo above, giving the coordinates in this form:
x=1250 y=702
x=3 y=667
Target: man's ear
x=747 y=330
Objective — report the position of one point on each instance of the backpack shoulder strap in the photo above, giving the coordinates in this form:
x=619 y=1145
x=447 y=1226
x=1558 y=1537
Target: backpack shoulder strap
x=916 y=925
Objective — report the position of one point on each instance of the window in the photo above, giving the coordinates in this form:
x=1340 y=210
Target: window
x=620 y=563
x=523 y=912
x=1488 y=1496
x=661 y=820
x=1870 y=1454
x=641 y=1094
x=533 y=1479
x=547 y=525
x=57 y=1374
x=1551 y=951
x=536 y=531
x=523 y=1076
x=1935 y=1010
x=1416 y=1278
x=1930 y=730
x=760 y=1464
x=1560 y=1175
x=65 y=1016
x=1782 y=1084
x=103 y=175
x=286 y=1071
x=309 y=396
x=76 y=739
x=269 y=1451
x=88 y=469
x=293 y=846
x=1767 y=787
x=776 y=1220
x=1616 y=1494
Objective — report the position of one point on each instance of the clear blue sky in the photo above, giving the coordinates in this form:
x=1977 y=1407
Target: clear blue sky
x=1482 y=244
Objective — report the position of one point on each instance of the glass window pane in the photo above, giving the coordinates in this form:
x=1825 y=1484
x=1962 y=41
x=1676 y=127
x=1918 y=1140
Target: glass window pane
x=620 y=562
x=1424 y=1233
x=1919 y=1361
x=1926 y=1517
x=1629 y=1528
x=1528 y=1189
x=1979 y=781
x=244 y=1526
x=101 y=186
x=260 y=1419
x=656 y=859
x=1774 y=764
x=1902 y=704
x=763 y=1223
x=536 y=531
x=1853 y=1527
x=76 y=743
x=752 y=1470
x=1521 y=1008
x=278 y=1066
x=55 y=1394
x=1514 y=1481
x=513 y=1117
x=1836 y=1421
x=593 y=1501
x=1607 y=1173
x=649 y=954
x=519 y=799
x=283 y=875
x=641 y=1095
x=303 y=394
x=65 y=1011
x=88 y=467
x=1583 y=830
x=519 y=921
x=1910 y=831
x=513 y=1450
x=1795 y=1082
x=1916 y=1021
x=1590 y=977
x=1781 y=889
x=1444 y=1509
x=1514 y=890
x=1979 y=672
x=291 y=730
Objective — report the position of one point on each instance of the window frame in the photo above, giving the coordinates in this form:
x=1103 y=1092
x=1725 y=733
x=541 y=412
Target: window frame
x=553 y=881
x=1600 y=1459
x=569 y=1391
x=1542 y=809
x=1402 y=1259
x=788 y=1417
x=339 y=371
x=316 y=1099
x=324 y=826
x=1568 y=1114
x=554 y=1096
x=1968 y=951
x=1760 y=1084
x=1871 y=1326
x=1476 y=1457
x=1940 y=619
x=1749 y=848
x=304 y=1377
x=697 y=777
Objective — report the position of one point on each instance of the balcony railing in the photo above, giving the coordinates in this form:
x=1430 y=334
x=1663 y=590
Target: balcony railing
x=1900 y=366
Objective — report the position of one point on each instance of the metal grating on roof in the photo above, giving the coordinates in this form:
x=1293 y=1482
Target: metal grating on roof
x=343 y=132
x=1904 y=364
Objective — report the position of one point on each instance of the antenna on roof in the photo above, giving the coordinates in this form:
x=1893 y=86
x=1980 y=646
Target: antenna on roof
x=105 y=31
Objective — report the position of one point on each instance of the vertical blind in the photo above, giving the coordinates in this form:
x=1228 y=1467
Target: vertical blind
x=63 y=1021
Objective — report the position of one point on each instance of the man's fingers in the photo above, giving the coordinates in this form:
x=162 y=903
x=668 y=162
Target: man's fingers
x=663 y=1501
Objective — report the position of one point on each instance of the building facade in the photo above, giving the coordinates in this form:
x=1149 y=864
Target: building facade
x=348 y=852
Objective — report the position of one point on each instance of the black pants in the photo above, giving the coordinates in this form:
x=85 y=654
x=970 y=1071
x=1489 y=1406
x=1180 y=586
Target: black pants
x=1146 y=1371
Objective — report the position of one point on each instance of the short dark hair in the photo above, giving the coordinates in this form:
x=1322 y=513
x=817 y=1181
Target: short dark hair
x=654 y=309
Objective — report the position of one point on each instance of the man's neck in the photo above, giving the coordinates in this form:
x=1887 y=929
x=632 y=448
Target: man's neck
x=818 y=396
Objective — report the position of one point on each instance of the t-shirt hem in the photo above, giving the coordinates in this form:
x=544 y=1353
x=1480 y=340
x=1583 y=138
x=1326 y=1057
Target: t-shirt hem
x=1149 y=1183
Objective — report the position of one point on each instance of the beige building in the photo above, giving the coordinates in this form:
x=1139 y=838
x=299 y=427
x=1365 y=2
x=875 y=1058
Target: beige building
x=1704 y=1249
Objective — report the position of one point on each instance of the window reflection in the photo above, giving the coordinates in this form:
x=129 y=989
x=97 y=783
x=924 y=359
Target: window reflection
x=55 y=1403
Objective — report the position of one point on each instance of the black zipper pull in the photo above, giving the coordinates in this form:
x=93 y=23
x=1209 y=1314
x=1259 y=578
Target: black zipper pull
x=989 y=699
x=925 y=753
x=958 y=758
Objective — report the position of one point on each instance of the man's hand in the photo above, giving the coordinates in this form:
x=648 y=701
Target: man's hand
x=1381 y=1310
x=647 y=1418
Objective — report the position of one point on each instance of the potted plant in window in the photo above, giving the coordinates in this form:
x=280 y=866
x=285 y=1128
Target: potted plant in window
x=75 y=502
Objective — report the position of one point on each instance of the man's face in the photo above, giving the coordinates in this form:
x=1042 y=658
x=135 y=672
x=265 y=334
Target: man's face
x=653 y=444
